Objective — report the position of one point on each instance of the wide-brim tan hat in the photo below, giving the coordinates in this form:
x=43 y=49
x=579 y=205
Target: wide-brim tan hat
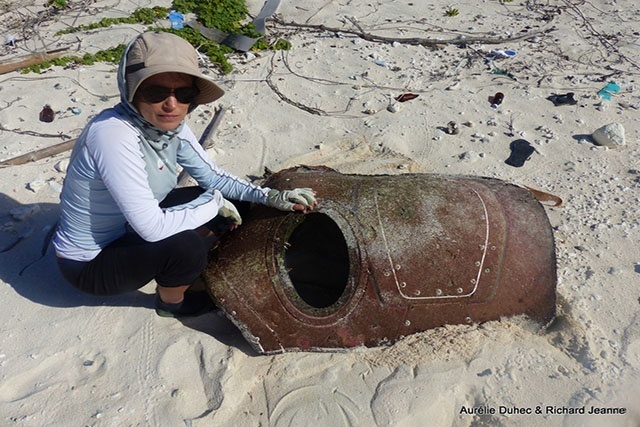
x=158 y=52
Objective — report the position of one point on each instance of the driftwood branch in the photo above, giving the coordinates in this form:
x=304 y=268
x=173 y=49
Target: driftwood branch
x=415 y=41
x=40 y=154
x=31 y=59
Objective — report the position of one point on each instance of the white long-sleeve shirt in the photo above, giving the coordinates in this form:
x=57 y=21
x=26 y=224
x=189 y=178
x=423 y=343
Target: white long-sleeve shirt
x=116 y=180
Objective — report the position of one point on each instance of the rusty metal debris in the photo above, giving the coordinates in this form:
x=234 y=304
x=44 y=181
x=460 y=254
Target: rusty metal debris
x=384 y=257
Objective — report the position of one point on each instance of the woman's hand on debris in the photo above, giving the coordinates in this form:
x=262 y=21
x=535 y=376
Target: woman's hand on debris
x=231 y=214
x=298 y=199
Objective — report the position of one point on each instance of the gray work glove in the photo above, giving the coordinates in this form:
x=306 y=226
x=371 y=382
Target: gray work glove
x=230 y=213
x=286 y=199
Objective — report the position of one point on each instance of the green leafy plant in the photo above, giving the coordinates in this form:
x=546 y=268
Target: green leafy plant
x=110 y=55
x=145 y=16
x=216 y=52
x=58 y=4
x=229 y=16
x=225 y=15
x=451 y=11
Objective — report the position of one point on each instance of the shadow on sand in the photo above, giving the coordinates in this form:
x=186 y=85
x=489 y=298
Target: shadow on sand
x=29 y=266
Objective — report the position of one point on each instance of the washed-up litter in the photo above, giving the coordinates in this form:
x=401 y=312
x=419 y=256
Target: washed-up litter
x=508 y=53
x=47 y=114
x=500 y=72
x=563 y=99
x=238 y=41
x=177 y=20
x=62 y=165
x=329 y=280
x=496 y=99
x=521 y=151
x=393 y=107
x=610 y=89
x=406 y=97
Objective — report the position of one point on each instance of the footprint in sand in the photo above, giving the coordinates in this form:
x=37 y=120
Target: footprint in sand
x=194 y=383
x=62 y=371
x=631 y=341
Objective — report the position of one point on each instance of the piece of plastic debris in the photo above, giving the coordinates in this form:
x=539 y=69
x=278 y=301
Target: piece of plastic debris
x=563 y=99
x=177 y=20
x=610 y=89
x=36 y=185
x=55 y=186
x=393 y=107
x=406 y=97
x=500 y=72
x=454 y=86
x=503 y=53
x=62 y=165
x=521 y=151
x=76 y=110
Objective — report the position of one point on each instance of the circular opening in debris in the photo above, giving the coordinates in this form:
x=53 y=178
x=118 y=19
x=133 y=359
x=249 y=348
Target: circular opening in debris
x=317 y=260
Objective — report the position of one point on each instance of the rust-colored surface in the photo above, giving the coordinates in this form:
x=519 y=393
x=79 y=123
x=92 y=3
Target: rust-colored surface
x=383 y=257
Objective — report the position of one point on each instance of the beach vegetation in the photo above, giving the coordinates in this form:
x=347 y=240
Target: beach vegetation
x=452 y=11
x=229 y=16
x=109 y=55
x=225 y=15
x=143 y=15
x=57 y=4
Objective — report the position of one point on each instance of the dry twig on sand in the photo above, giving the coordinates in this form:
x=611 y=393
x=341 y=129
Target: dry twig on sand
x=414 y=41
x=358 y=31
x=40 y=154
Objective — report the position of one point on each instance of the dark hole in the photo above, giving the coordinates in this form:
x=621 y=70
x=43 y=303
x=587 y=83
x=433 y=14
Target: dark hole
x=318 y=261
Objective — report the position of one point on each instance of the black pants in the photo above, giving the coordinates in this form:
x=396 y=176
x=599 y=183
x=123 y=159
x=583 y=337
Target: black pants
x=130 y=262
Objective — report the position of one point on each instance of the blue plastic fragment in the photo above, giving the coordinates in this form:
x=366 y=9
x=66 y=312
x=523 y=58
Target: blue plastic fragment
x=610 y=89
x=177 y=20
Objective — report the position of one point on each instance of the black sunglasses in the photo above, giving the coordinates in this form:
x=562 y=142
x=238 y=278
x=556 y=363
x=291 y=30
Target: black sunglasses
x=155 y=94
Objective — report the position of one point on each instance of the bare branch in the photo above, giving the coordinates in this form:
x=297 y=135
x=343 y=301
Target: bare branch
x=414 y=41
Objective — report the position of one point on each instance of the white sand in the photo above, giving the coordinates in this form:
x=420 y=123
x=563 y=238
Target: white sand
x=67 y=359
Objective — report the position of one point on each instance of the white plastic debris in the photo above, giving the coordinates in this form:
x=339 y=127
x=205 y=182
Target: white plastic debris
x=36 y=185
x=62 y=165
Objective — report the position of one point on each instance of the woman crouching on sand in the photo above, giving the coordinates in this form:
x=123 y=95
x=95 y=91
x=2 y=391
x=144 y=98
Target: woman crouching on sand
x=123 y=221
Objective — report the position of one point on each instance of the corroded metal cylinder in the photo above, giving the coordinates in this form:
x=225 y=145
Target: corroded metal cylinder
x=383 y=257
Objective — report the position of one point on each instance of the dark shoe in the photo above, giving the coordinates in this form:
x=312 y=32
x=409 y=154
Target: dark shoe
x=194 y=304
